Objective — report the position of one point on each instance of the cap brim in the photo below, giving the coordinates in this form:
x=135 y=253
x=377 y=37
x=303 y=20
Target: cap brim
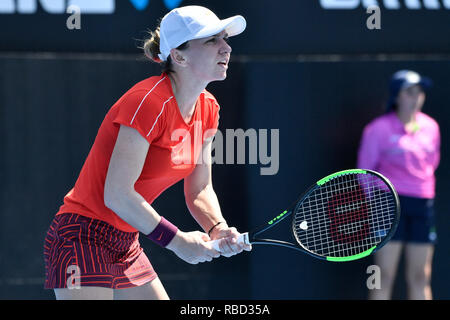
x=233 y=26
x=424 y=82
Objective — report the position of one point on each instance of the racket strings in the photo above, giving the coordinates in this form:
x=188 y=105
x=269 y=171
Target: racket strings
x=345 y=216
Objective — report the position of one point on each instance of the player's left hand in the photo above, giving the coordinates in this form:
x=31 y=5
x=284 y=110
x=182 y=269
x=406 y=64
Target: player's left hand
x=229 y=244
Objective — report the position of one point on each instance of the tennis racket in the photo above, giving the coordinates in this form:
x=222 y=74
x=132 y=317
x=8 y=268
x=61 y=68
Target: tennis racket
x=343 y=217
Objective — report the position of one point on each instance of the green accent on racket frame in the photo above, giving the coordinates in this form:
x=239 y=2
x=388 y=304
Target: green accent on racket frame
x=277 y=218
x=340 y=173
x=354 y=257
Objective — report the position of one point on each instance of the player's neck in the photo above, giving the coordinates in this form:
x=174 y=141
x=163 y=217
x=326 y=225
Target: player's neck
x=186 y=92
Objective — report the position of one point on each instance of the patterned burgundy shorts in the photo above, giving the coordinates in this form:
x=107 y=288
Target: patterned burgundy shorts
x=80 y=251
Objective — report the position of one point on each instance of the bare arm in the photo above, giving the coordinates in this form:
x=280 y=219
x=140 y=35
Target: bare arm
x=203 y=204
x=200 y=196
x=125 y=167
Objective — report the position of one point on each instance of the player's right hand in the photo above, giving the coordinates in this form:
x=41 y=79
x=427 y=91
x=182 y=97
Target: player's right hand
x=192 y=247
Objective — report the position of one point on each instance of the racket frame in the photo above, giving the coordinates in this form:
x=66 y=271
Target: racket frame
x=252 y=235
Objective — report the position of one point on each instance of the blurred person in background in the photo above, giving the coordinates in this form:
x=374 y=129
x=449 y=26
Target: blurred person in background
x=404 y=145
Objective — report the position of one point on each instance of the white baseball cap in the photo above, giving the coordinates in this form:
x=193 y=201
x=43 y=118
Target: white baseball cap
x=194 y=22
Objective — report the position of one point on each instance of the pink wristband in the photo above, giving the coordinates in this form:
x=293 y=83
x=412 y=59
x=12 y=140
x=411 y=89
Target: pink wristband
x=163 y=233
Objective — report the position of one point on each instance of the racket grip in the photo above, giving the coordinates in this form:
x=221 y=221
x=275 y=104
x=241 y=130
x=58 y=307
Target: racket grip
x=241 y=239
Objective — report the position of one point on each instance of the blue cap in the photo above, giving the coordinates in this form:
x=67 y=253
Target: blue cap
x=403 y=79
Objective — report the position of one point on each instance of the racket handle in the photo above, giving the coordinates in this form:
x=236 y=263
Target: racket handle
x=241 y=239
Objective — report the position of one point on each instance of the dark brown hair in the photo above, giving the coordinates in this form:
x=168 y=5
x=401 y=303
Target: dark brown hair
x=151 y=50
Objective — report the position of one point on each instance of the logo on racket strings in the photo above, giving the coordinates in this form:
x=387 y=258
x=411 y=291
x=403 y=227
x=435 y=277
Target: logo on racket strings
x=348 y=216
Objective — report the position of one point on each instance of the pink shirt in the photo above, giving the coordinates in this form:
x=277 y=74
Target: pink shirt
x=408 y=160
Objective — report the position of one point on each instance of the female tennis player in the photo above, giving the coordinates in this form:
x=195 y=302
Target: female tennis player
x=92 y=250
x=404 y=145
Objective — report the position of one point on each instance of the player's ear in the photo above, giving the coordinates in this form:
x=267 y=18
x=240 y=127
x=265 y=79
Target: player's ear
x=177 y=57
